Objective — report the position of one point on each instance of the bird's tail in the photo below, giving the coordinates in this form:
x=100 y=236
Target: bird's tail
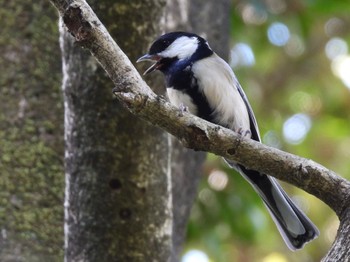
x=294 y=226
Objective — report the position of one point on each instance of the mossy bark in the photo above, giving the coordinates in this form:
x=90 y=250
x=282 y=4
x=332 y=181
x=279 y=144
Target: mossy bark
x=31 y=128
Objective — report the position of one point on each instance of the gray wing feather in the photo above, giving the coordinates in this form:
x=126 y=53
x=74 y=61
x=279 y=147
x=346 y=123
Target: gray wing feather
x=253 y=124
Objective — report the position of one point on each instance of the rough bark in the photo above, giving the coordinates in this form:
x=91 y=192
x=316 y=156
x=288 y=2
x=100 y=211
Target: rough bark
x=199 y=134
x=31 y=127
x=117 y=201
x=193 y=16
x=340 y=250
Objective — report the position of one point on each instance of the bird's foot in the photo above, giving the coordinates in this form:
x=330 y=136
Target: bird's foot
x=244 y=133
x=182 y=109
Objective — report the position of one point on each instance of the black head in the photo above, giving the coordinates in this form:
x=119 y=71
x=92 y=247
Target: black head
x=175 y=46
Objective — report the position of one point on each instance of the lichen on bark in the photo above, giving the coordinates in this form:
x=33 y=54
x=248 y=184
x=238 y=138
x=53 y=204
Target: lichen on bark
x=31 y=126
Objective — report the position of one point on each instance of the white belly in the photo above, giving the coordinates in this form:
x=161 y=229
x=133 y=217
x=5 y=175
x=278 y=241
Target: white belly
x=178 y=98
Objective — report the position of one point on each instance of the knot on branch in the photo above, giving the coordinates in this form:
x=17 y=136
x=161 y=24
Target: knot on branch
x=134 y=102
x=236 y=145
x=231 y=151
x=195 y=136
x=76 y=24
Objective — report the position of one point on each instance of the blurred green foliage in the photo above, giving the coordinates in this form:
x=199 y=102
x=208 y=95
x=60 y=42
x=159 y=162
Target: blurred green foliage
x=296 y=78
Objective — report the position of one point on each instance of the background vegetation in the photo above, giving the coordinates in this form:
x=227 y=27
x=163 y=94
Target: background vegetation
x=292 y=59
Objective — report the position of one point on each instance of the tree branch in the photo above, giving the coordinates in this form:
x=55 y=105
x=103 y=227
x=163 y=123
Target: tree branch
x=194 y=132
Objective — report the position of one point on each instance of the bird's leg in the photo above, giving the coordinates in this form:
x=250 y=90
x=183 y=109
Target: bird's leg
x=244 y=133
x=182 y=109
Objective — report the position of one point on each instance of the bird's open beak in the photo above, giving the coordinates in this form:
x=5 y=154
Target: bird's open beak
x=148 y=57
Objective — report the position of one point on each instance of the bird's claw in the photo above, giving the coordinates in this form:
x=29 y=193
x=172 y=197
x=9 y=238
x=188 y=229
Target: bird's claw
x=244 y=133
x=182 y=109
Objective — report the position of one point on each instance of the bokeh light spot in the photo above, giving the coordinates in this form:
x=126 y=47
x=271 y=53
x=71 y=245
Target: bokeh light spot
x=253 y=15
x=276 y=6
x=275 y=257
x=257 y=218
x=296 y=128
x=223 y=230
x=334 y=26
x=271 y=139
x=278 y=34
x=304 y=102
x=295 y=46
x=217 y=180
x=336 y=47
x=195 y=255
x=242 y=55
x=206 y=196
x=341 y=68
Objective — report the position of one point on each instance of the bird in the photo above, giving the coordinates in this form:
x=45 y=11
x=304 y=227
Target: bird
x=200 y=81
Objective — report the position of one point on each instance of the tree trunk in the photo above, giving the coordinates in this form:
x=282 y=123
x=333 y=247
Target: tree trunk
x=340 y=248
x=186 y=163
x=118 y=201
x=31 y=141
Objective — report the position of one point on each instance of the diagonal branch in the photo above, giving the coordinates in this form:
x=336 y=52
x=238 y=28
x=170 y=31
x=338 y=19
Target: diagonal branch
x=194 y=132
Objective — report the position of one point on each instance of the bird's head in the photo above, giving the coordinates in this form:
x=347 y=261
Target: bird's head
x=175 y=46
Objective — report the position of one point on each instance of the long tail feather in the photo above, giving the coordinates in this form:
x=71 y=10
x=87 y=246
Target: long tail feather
x=294 y=226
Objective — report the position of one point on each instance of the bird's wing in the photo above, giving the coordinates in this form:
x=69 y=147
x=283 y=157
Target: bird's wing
x=254 y=129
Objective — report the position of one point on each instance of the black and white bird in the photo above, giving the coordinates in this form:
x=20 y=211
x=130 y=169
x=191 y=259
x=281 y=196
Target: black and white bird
x=204 y=83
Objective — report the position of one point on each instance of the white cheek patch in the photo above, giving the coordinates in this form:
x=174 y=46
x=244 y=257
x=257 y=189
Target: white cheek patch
x=183 y=47
x=177 y=98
